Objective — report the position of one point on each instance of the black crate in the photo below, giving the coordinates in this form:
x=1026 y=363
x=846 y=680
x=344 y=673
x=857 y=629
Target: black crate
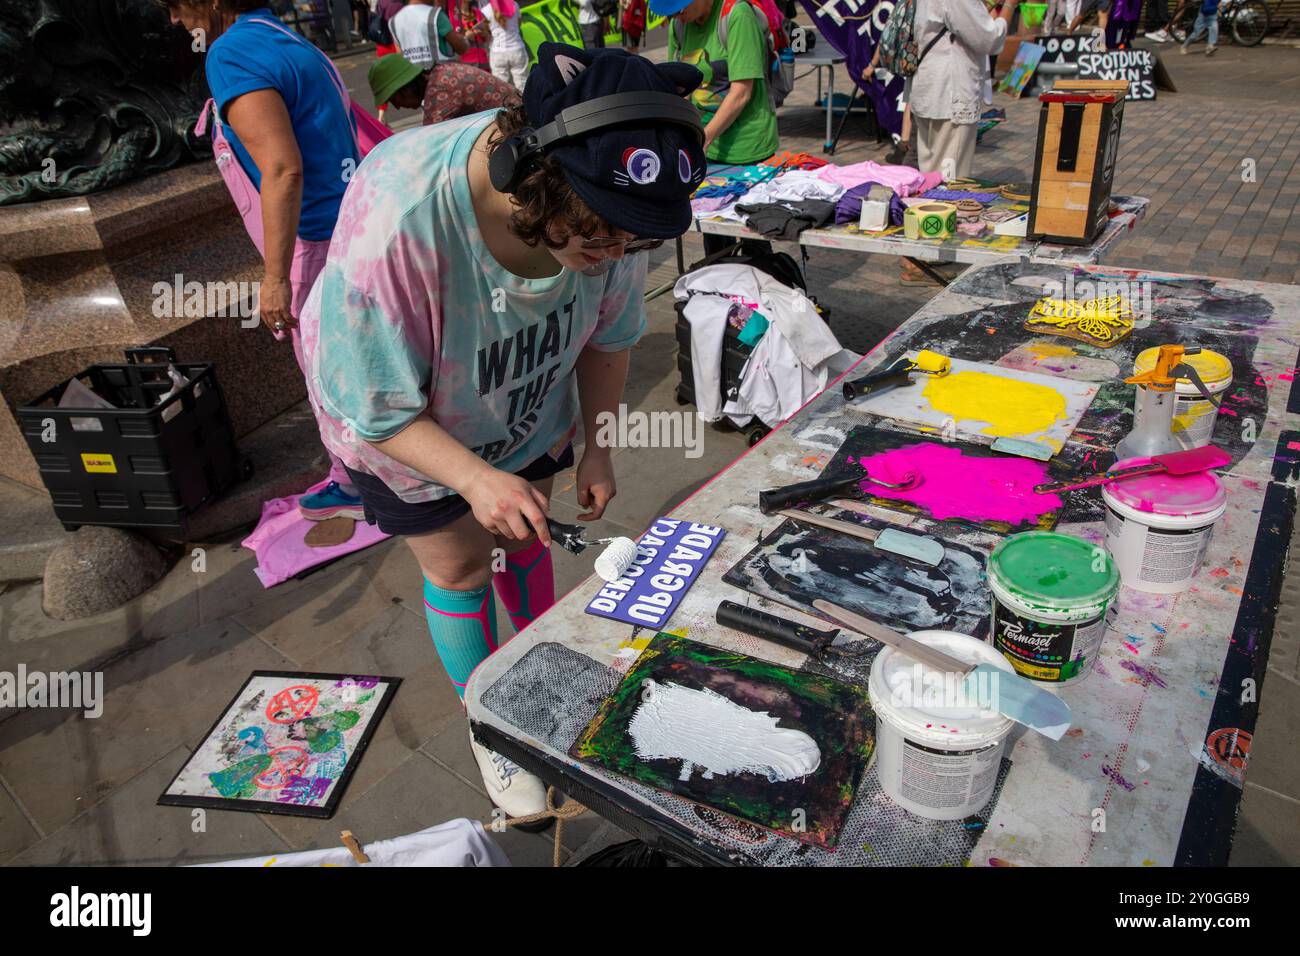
x=148 y=467
x=735 y=354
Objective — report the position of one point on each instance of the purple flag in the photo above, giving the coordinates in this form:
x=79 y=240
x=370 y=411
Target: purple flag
x=853 y=28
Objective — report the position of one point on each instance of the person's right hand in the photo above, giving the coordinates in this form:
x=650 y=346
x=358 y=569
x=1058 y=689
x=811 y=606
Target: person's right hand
x=508 y=505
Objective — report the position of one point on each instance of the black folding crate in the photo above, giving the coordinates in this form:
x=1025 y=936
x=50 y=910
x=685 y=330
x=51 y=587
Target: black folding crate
x=149 y=464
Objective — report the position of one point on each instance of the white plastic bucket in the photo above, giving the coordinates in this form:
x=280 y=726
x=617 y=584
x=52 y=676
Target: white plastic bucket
x=1158 y=527
x=1194 y=417
x=940 y=759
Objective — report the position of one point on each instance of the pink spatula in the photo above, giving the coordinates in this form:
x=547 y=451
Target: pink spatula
x=1173 y=463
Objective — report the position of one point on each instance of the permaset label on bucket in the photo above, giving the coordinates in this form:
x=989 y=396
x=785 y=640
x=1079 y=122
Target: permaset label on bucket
x=1046 y=652
x=669 y=558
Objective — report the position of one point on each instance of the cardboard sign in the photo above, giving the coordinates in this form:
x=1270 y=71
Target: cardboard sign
x=669 y=558
x=1138 y=67
x=1028 y=57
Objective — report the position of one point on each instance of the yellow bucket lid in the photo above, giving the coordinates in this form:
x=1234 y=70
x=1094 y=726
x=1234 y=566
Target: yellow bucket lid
x=1214 y=369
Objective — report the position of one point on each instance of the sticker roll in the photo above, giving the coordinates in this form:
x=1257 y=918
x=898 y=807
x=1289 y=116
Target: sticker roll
x=930 y=220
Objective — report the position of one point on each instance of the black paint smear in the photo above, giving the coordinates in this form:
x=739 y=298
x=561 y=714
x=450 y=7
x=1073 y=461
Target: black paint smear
x=997 y=282
x=888 y=588
x=1212 y=809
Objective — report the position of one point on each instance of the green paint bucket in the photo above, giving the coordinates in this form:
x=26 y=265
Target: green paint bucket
x=1050 y=595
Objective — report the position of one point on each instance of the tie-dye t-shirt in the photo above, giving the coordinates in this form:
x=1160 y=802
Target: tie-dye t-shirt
x=412 y=314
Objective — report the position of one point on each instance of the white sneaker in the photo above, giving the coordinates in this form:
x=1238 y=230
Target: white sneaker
x=1160 y=36
x=509 y=786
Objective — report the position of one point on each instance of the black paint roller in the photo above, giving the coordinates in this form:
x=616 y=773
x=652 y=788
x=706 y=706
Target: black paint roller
x=572 y=537
x=898 y=374
x=787 y=633
x=819 y=489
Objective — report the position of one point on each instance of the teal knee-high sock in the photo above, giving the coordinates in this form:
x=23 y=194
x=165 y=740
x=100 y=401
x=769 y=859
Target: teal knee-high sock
x=464 y=628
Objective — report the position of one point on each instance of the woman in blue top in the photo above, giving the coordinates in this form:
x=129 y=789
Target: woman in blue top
x=290 y=128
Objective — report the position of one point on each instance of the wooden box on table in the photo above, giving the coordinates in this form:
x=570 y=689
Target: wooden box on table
x=1074 y=162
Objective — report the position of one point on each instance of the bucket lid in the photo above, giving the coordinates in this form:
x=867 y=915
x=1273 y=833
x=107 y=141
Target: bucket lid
x=1179 y=496
x=1051 y=570
x=1213 y=368
x=893 y=687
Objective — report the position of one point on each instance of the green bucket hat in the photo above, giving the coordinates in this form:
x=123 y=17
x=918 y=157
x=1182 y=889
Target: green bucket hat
x=389 y=74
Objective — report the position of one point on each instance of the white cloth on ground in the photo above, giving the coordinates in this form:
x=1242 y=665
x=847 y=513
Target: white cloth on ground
x=793 y=361
x=454 y=843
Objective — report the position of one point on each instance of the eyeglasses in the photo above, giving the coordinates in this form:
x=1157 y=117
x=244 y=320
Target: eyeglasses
x=629 y=245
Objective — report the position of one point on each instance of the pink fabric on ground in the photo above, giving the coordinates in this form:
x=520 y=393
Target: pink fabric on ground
x=278 y=541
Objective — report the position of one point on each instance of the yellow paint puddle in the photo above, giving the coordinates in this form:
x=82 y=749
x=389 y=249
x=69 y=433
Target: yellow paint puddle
x=1010 y=406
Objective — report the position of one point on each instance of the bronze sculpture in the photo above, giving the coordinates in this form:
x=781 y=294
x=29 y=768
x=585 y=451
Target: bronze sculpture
x=93 y=93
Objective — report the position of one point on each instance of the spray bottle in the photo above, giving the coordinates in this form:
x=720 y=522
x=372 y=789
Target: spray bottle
x=1153 y=408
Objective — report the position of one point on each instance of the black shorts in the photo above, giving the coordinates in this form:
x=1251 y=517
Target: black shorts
x=395 y=516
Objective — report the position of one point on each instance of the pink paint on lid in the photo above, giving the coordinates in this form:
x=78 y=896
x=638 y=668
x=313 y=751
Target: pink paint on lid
x=1165 y=494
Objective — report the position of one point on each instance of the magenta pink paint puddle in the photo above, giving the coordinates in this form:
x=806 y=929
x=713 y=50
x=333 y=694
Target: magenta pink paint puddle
x=956 y=485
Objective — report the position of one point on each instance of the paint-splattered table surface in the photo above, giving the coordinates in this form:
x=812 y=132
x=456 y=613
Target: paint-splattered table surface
x=1151 y=772
x=1127 y=211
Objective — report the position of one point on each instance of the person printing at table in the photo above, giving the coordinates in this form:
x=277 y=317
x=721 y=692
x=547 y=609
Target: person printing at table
x=475 y=306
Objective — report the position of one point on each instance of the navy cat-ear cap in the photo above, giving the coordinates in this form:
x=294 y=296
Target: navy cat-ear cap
x=639 y=179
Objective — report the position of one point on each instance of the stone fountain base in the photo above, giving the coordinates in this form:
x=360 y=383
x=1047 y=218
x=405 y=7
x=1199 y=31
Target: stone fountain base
x=81 y=279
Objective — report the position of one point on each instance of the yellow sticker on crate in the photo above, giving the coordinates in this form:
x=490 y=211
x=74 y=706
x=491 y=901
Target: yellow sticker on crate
x=99 y=464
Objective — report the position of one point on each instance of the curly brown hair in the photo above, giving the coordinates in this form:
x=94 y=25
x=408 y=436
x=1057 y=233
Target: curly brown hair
x=546 y=207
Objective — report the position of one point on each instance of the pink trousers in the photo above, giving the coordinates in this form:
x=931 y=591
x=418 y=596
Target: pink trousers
x=308 y=261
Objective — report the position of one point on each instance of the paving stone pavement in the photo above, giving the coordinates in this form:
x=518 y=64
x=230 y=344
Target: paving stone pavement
x=74 y=790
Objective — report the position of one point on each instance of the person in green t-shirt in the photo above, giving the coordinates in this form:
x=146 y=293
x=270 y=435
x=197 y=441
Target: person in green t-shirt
x=740 y=121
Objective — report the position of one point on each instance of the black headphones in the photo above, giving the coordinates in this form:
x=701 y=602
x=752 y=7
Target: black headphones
x=511 y=160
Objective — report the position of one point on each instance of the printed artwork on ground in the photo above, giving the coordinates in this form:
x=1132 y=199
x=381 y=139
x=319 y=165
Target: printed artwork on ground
x=288 y=743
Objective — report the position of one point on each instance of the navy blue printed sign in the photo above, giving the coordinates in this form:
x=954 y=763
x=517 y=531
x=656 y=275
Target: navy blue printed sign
x=853 y=28
x=669 y=558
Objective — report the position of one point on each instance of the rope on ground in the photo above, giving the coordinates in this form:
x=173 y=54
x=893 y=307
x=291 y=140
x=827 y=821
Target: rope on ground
x=569 y=811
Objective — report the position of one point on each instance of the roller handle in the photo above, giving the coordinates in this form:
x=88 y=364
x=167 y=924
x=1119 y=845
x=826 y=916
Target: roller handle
x=894 y=376
x=570 y=537
x=778 y=499
x=748 y=620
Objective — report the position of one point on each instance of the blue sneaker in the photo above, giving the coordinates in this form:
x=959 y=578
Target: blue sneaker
x=331 y=502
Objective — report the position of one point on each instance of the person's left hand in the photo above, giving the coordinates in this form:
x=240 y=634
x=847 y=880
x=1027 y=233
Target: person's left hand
x=274 y=298
x=595 y=483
